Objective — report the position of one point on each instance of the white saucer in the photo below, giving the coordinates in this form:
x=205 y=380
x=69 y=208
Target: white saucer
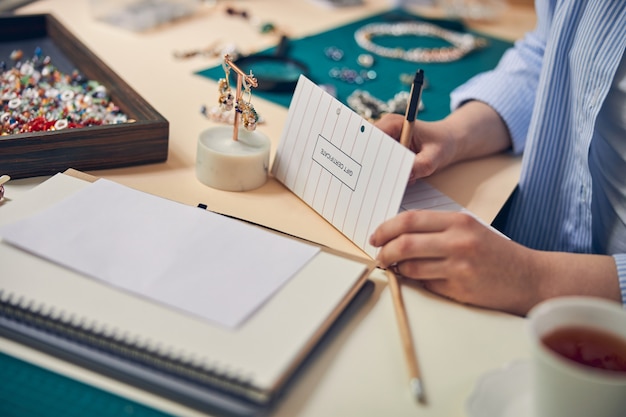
x=504 y=392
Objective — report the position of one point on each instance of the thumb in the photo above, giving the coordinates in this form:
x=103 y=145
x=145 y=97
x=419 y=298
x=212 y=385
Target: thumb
x=423 y=165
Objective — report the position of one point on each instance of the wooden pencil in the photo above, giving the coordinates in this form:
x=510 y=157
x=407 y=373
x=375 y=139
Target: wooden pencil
x=415 y=382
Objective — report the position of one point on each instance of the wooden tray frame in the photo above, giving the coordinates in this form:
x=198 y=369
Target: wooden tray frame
x=96 y=147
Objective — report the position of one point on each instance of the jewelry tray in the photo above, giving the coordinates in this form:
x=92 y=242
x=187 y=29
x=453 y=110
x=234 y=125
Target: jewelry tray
x=85 y=148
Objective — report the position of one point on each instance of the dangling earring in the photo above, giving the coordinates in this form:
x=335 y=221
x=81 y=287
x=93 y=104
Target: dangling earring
x=249 y=116
x=225 y=98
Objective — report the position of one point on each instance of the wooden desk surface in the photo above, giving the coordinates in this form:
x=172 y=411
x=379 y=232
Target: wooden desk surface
x=362 y=371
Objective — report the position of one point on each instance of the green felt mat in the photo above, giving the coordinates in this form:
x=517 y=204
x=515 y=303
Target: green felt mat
x=442 y=77
x=27 y=390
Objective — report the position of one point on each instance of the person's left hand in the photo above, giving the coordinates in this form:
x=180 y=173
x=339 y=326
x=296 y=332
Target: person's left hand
x=456 y=256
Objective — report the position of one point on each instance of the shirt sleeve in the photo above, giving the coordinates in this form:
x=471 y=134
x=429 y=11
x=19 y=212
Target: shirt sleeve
x=620 y=262
x=510 y=88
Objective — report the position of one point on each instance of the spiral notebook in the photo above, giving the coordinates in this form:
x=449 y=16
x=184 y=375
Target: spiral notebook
x=240 y=370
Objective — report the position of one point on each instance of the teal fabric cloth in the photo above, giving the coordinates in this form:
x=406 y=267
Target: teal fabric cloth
x=28 y=390
x=442 y=77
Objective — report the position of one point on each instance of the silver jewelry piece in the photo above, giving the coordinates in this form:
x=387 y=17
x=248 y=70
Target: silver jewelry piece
x=370 y=107
x=365 y=60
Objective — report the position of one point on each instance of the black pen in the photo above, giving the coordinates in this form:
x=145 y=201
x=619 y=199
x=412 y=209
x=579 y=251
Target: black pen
x=412 y=107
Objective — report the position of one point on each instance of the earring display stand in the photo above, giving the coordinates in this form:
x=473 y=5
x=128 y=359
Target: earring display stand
x=233 y=159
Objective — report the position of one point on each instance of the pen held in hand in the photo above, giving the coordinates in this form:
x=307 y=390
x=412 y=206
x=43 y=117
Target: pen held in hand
x=412 y=108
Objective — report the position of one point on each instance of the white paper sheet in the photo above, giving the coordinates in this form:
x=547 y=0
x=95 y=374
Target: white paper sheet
x=423 y=196
x=200 y=262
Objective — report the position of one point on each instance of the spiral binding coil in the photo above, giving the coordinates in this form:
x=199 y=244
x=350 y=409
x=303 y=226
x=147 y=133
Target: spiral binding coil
x=144 y=354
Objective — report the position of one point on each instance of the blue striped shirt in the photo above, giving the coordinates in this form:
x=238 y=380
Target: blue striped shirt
x=549 y=89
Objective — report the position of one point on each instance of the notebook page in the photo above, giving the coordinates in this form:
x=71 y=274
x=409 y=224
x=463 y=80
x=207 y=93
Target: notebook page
x=423 y=196
x=199 y=262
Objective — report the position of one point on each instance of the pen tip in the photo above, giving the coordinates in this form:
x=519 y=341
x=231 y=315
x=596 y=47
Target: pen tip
x=419 y=76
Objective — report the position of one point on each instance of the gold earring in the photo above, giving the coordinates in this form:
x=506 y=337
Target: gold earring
x=225 y=98
x=249 y=116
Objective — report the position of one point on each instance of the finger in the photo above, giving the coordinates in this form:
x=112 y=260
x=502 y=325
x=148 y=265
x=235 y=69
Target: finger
x=423 y=164
x=391 y=124
x=423 y=269
x=409 y=247
x=440 y=287
x=411 y=221
x=432 y=285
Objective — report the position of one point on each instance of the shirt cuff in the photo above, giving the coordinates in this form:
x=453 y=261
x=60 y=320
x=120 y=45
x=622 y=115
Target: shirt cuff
x=620 y=262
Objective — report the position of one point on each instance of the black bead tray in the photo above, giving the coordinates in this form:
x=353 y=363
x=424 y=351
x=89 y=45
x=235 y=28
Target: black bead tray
x=142 y=141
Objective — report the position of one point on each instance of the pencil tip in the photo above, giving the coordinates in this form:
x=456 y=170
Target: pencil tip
x=417 y=390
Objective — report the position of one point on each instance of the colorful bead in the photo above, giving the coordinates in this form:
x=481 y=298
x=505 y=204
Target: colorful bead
x=35 y=96
x=365 y=60
x=352 y=76
x=334 y=53
x=60 y=124
x=16 y=55
x=267 y=27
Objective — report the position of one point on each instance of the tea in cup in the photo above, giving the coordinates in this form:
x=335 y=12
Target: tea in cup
x=578 y=355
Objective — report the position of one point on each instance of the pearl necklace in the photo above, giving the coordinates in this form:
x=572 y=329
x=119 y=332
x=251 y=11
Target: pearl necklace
x=463 y=43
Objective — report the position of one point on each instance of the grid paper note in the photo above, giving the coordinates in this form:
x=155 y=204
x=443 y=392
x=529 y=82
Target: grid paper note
x=346 y=169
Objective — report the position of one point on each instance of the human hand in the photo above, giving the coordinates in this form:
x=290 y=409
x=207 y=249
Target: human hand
x=429 y=140
x=471 y=131
x=456 y=256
